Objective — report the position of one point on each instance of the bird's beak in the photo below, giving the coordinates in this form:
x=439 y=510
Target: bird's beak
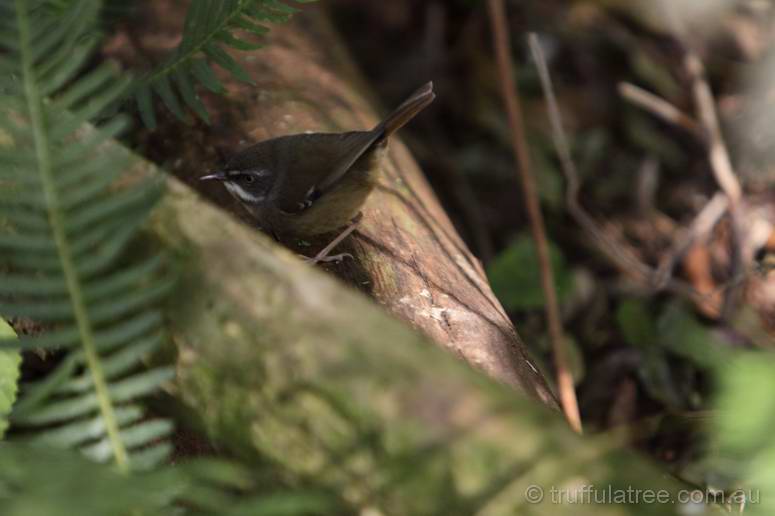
x=219 y=175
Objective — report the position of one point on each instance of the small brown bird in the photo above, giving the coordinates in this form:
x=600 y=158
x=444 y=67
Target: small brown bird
x=305 y=185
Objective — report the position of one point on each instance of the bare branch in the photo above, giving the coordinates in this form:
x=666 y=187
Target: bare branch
x=660 y=108
x=615 y=252
x=501 y=41
x=706 y=110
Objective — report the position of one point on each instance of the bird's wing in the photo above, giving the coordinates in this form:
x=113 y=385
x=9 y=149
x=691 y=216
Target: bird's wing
x=353 y=145
x=325 y=159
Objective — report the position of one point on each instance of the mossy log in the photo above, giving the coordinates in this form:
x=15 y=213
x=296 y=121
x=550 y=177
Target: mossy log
x=284 y=366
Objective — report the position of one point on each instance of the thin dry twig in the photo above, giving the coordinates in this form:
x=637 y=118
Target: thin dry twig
x=706 y=220
x=647 y=185
x=616 y=253
x=721 y=164
x=661 y=108
x=718 y=155
x=501 y=42
x=700 y=227
x=706 y=111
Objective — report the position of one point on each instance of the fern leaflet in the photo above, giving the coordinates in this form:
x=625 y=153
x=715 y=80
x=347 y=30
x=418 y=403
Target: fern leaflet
x=210 y=26
x=64 y=227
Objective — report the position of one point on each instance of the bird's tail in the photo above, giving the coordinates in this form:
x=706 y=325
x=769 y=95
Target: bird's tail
x=363 y=141
x=416 y=102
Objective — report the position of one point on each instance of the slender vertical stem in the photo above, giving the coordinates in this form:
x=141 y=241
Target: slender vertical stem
x=56 y=220
x=501 y=41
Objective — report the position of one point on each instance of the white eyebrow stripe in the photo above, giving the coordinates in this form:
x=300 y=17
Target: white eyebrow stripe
x=242 y=193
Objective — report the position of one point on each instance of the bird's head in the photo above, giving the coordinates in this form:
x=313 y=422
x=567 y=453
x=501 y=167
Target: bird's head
x=250 y=186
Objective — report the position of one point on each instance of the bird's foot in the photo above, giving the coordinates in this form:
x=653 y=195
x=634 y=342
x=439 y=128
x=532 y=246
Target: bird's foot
x=334 y=258
x=323 y=256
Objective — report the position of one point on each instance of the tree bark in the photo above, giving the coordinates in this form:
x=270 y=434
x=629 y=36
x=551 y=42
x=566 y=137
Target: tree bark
x=407 y=254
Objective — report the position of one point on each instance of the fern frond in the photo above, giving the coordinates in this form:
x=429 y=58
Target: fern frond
x=81 y=486
x=63 y=228
x=40 y=480
x=210 y=26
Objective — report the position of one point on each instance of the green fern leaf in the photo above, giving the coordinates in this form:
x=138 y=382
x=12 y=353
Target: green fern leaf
x=210 y=25
x=225 y=61
x=202 y=71
x=190 y=97
x=9 y=376
x=63 y=228
x=43 y=480
x=145 y=105
x=81 y=487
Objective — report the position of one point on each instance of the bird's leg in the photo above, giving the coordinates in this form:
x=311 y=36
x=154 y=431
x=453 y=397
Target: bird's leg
x=322 y=256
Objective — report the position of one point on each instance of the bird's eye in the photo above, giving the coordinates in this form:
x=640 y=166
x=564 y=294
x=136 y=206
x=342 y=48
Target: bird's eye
x=249 y=178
